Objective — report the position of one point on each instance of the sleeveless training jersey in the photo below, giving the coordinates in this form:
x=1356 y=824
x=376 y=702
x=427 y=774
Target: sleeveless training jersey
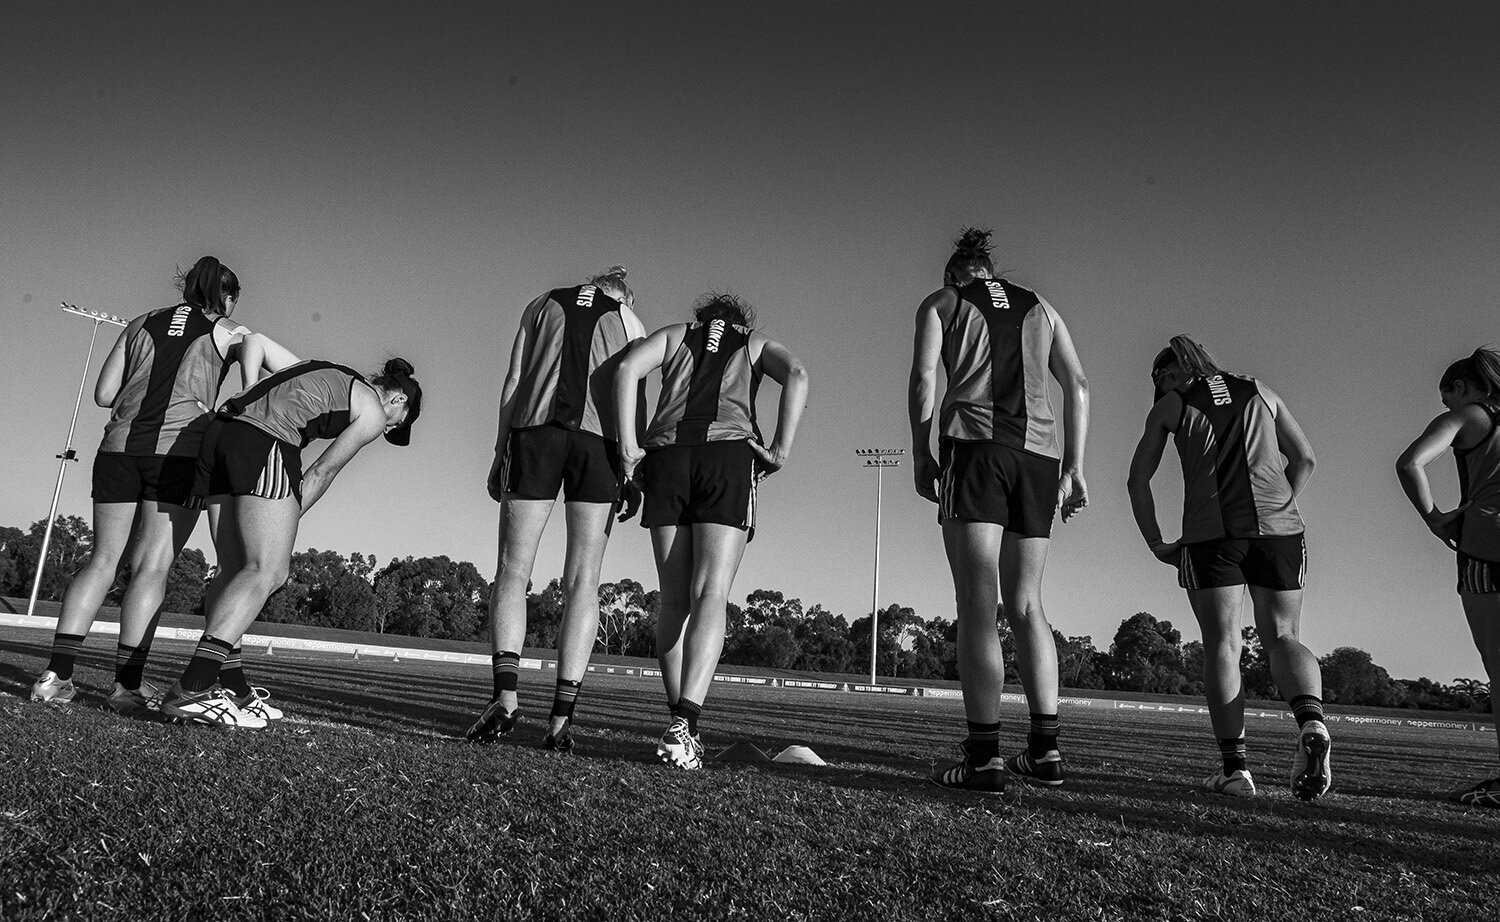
x=1479 y=481
x=1234 y=478
x=307 y=401
x=995 y=352
x=708 y=388
x=575 y=331
x=173 y=369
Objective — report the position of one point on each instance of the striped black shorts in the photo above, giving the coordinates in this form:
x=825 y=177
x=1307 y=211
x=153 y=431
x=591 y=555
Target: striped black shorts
x=239 y=459
x=1276 y=562
x=1476 y=576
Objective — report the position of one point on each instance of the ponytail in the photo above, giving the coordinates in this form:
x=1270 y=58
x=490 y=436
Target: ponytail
x=1190 y=358
x=207 y=285
x=1482 y=369
x=396 y=375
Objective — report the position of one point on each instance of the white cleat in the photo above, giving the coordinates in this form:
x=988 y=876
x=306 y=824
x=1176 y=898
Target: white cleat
x=50 y=689
x=1234 y=784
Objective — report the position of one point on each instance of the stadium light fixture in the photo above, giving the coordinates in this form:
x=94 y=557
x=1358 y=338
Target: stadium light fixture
x=880 y=459
x=68 y=453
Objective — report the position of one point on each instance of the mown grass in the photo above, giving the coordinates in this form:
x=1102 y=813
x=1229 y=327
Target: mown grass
x=365 y=804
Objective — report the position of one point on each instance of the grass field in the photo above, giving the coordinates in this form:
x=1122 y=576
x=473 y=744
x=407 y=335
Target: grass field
x=365 y=803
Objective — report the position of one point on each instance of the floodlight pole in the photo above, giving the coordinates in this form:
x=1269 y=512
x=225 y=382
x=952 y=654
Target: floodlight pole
x=880 y=459
x=68 y=453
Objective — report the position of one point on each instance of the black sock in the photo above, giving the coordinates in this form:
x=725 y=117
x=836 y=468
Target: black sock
x=1306 y=708
x=65 y=648
x=232 y=674
x=689 y=711
x=1043 y=736
x=130 y=664
x=1233 y=753
x=983 y=743
x=674 y=709
x=203 y=669
x=565 y=698
x=507 y=670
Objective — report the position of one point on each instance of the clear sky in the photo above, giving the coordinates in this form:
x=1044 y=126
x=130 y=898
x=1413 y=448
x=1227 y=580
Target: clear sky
x=1308 y=189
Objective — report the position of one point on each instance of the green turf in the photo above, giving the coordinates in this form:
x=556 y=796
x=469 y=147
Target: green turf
x=365 y=804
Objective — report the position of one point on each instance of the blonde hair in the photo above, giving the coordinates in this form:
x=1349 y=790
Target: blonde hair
x=612 y=282
x=1187 y=355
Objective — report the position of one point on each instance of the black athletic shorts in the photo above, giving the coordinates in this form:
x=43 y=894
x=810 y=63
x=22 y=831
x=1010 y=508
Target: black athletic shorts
x=240 y=459
x=1476 y=575
x=1273 y=562
x=987 y=482
x=121 y=478
x=541 y=461
x=712 y=483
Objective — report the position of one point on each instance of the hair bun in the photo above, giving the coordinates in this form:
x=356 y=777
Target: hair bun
x=616 y=271
x=398 y=366
x=974 y=241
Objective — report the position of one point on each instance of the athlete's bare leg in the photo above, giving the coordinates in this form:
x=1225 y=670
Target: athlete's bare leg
x=974 y=557
x=717 y=551
x=113 y=524
x=162 y=530
x=1021 y=563
x=1278 y=616
x=1483 y=613
x=588 y=534
x=1218 y=614
x=267 y=529
x=521 y=524
x=673 y=548
x=228 y=548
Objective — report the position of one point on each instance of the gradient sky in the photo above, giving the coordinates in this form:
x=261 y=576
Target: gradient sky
x=1308 y=189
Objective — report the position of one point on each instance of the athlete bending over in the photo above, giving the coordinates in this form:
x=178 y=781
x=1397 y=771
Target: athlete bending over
x=556 y=434
x=1240 y=526
x=702 y=460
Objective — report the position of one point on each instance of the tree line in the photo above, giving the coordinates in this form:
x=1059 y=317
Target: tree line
x=443 y=598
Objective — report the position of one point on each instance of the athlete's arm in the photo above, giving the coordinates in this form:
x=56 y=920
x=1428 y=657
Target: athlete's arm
x=1411 y=470
x=921 y=391
x=519 y=353
x=1291 y=441
x=112 y=373
x=259 y=353
x=786 y=370
x=366 y=423
x=1072 y=491
x=1143 y=465
x=637 y=332
x=639 y=361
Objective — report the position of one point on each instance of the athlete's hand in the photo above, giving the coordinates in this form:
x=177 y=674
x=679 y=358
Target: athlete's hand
x=630 y=500
x=631 y=457
x=767 y=460
x=1446 y=525
x=1072 y=493
x=492 y=482
x=1168 y=552
x=926 y=471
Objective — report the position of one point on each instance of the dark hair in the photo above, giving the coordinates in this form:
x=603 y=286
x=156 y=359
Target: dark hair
x=1187 y=355
x=720 y=305
x=207 y=284
x=1481 y=369
x=612 y=282
x=971 y=253
x=396 y=376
